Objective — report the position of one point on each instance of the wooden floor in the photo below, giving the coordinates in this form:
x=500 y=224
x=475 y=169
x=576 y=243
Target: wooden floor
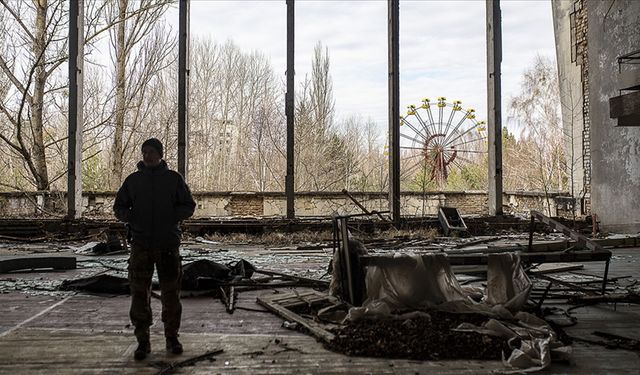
x=50 y=333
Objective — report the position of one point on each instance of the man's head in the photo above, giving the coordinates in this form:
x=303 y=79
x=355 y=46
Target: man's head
x=151 y=152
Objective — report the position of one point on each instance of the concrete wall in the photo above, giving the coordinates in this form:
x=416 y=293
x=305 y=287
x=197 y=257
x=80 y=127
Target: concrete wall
x=614 y=29
x=571 y=95
x=225 y=204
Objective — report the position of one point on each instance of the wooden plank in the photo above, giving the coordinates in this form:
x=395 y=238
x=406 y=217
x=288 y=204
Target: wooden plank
x=298 y=299
x=289 y=296
x=581 y=240
x=313 y=327
x=545 y=269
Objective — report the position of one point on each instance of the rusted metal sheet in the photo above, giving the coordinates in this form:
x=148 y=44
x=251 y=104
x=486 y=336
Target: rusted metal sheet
x=624 y=105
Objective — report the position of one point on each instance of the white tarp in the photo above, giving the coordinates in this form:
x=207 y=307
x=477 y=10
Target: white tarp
x=431 y=284
x=507 y=283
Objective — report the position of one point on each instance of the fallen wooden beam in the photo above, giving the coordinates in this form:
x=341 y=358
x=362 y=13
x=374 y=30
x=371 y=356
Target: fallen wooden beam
x=363 y=208
x=581 y=240
x=272 y=303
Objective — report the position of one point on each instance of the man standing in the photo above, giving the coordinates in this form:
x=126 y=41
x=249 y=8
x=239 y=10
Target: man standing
x=152 y=201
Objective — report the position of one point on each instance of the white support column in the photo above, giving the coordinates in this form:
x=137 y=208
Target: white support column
x=75 y=118
x=494 y=111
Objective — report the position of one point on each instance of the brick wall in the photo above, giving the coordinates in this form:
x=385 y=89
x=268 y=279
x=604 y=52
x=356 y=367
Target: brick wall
x=245 y=205
x=582 y=29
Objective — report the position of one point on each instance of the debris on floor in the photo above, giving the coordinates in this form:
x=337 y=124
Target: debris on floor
x=170 y=368
x=426 y=337
x=287 y=275
x=102 y=283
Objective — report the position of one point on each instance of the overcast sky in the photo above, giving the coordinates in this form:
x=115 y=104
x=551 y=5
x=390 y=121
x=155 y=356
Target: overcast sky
x=442 y=45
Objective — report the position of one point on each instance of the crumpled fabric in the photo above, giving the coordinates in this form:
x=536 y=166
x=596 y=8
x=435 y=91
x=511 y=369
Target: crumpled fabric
x=537 y=341
x=206 y=274
x=201 y=274
x=507 y=283
x=108 y=284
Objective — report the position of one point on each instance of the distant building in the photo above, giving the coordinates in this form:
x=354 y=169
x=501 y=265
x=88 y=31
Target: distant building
x=225 y=139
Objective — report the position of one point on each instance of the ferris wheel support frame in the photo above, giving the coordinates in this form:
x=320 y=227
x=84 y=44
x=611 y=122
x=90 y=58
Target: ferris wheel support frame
x=494 y=116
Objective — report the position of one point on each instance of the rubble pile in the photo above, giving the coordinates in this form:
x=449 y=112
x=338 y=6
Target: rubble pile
x=419 y=338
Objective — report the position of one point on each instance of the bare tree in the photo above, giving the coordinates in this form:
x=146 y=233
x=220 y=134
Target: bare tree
x=571 y=108
x=537 y=108
x=320 y=149
x=36 y=49
x=134 y=21
x=234 y=105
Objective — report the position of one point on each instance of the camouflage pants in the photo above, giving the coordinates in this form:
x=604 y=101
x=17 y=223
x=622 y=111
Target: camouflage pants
x=168 y=264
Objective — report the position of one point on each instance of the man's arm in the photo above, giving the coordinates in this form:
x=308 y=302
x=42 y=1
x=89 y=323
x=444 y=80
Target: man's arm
x=122 y=205
x=185 y=205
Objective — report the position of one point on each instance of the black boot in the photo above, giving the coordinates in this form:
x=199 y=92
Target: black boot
x=144 y=348
x=173 y=345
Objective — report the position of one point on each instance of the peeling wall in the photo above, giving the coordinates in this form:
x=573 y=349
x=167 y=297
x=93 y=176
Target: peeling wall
x=614 y=30
x=226 y=204
x=571 y=94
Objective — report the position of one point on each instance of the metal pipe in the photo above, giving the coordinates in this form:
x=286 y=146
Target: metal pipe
x=183 y=88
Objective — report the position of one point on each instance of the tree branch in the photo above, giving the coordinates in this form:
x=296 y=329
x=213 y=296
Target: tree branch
x=16 y=16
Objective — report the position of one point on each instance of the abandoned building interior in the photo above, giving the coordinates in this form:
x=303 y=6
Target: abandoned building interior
x=415 y=277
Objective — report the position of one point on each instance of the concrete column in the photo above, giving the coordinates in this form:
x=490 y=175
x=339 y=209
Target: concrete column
x=183 y=88
x=393 y=36
x=76 y=65
x=289 y=110
x=494 y=111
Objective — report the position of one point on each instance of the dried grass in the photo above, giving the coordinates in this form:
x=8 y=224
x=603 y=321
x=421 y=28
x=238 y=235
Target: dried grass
x=284 y=239
x=424 y=233
x=273 y=238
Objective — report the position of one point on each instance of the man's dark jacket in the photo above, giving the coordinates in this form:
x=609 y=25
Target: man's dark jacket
x=152 y=201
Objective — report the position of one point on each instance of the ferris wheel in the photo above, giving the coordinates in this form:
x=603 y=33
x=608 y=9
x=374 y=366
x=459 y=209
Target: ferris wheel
x=435 y=137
